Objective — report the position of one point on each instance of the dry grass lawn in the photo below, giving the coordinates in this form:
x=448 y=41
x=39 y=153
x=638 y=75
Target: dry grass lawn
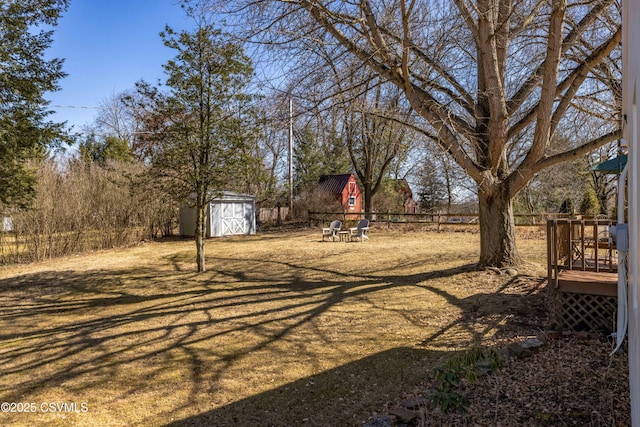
x=283 y=329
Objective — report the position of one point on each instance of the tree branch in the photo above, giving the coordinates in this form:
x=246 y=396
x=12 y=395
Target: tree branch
x=533 y=80
x=519 y=178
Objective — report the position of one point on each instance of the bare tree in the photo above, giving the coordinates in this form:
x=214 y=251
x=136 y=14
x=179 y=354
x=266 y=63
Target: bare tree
x=493 y=80
x=117 y=118
x=353 y=110
x=122 y=115
x=373 y=136
x=272 y=148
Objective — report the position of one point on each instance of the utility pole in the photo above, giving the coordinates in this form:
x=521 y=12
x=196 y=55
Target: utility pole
x=290 y=157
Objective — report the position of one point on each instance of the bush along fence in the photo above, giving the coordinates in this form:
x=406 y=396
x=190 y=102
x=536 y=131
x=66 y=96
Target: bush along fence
x=83 y=207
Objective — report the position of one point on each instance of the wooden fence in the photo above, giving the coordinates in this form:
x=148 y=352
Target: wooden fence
x=272 y=215
x=437 y=219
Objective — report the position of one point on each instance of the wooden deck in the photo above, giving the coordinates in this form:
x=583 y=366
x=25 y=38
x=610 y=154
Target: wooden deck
x=582 y=275
x=588 y=282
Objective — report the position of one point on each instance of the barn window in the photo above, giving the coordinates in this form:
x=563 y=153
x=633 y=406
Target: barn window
x=352 y=188
x=352 y=201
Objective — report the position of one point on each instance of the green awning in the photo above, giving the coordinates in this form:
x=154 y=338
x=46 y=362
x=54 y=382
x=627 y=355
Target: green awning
x=614 y=165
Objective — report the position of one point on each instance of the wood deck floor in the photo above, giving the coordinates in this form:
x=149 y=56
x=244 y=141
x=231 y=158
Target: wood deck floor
x=588 y=282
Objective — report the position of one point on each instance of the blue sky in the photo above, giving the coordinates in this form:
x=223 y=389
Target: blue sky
x=108 y=45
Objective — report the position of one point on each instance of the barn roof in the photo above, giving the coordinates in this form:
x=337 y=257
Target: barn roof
x=334 y=183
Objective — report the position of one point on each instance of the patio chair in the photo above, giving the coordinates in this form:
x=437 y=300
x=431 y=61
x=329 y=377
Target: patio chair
x=360 y=231
x=332 y=231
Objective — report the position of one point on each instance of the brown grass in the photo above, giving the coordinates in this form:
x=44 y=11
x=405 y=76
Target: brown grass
x=283 y=329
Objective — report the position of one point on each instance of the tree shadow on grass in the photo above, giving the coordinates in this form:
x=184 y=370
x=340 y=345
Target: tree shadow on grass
x=133 y=330
x=343 y=396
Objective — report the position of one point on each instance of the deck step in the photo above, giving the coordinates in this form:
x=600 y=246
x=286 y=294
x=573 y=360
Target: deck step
x=588 y=282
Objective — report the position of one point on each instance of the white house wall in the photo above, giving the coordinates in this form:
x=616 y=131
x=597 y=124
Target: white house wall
x=631 y=75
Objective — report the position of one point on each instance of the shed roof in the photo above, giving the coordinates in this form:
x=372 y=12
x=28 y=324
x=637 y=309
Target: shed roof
x=335 y=183
x=233 y=196
x=227 y=196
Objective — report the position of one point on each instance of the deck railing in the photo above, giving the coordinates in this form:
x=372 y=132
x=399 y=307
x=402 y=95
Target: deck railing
x=580 y=244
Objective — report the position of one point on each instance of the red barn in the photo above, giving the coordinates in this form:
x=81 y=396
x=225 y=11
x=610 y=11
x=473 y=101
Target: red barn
x=346 y=190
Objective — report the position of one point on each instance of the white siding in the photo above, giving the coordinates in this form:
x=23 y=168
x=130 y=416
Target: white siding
x=631 y=79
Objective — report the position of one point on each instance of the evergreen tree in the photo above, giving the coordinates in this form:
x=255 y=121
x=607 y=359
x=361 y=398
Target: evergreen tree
x=308 y=160
x=317 y=154
x=433 y=189
x=25 y=77
x=197 y=133
x=590 y=205
x=111 y=148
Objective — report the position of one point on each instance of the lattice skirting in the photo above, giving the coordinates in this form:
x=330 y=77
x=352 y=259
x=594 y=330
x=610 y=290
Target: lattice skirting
x=584 y=312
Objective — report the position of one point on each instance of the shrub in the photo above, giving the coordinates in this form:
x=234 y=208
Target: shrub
x=448 y=378
x=81 y=206
x=589 y=205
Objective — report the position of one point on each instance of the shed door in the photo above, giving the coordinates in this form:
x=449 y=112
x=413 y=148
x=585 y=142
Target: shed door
x=234 y=219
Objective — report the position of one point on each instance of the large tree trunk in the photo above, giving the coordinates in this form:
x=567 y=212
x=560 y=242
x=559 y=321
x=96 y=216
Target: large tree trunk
x=367 y=192
x=497 y=228
x=201 y=233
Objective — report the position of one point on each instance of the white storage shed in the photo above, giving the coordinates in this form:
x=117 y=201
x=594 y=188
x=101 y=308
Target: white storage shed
x=231 y=214
x=7 y=224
